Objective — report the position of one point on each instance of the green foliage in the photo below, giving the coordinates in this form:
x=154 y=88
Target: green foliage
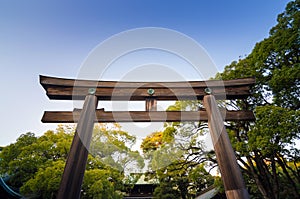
x=182 y=179
x=184 y=106
x=280 y=129
x=113 y=146
x=12 y=152
x=274 y=62
x=22 y=159
x=159 y=148
x=35 y=164
x=45 y=182
x=166 y=190
x=200 y=178
x=266 y=149
x=168 y=134
x=99 y=183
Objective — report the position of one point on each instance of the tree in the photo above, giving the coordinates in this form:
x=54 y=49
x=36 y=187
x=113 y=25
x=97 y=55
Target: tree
x=35 y=164
x=10 y=157
x=274 y=62
x=177 y=157
x=182 y=180
x=102 y=183
x=45 y=182
x=113 y=146
x=266 y=149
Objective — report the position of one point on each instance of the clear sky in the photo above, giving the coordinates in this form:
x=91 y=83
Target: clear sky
x=54 y=38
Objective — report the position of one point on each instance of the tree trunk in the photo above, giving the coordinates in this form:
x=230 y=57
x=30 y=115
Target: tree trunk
x=257 y=179
x=295 y=190
x=266 y=177
x=275 y=177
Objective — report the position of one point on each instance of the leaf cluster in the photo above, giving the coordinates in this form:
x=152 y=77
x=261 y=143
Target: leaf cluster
x=35 y=164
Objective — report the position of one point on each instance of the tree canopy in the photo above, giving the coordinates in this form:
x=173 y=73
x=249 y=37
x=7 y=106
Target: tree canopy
x=35 y=164
x=267 y=149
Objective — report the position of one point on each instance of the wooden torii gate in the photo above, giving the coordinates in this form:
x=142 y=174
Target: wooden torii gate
x=150 y=92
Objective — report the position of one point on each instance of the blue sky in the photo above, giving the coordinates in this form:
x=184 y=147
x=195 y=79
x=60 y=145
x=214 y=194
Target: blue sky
x=54 y=38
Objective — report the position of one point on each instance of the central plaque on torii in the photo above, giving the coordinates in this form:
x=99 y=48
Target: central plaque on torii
x=93 y=91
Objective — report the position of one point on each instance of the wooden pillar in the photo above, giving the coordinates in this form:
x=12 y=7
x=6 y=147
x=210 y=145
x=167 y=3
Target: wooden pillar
x=229 y=168
x=151 y=104
x=70 y=186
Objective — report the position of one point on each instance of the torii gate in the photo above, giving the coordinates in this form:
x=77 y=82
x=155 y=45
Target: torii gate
x=150 y=92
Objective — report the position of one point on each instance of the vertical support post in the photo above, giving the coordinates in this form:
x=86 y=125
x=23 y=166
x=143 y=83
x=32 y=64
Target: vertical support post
x=231 y=174
x=70 y=186
x=151 y=104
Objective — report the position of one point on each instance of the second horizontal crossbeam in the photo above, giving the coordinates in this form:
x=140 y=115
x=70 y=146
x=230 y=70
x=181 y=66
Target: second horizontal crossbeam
x=144 y=116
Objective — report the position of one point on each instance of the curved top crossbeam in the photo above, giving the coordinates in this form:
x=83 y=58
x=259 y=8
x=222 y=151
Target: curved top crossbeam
x=72 y=89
